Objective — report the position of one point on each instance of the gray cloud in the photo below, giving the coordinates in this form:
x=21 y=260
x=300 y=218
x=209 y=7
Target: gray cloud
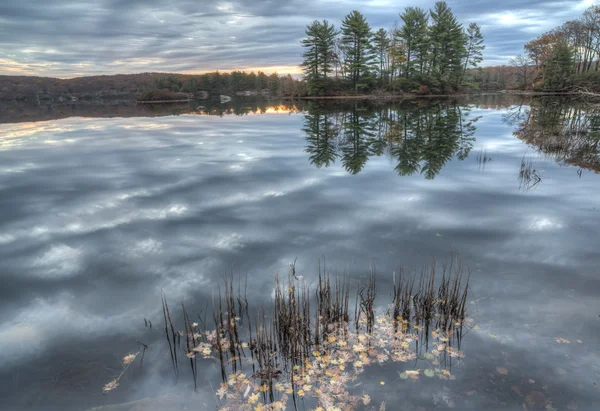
x=88 y=37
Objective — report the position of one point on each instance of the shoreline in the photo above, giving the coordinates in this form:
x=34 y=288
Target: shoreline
x=413 y=96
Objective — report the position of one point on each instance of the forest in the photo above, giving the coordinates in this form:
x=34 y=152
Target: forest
x=129 y=86
x=429 y=52
x=565 y=58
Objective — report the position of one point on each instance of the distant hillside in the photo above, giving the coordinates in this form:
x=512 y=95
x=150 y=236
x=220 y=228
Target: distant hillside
x=129 y=86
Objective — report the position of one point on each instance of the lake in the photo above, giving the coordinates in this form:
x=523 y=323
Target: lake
x=102 y=208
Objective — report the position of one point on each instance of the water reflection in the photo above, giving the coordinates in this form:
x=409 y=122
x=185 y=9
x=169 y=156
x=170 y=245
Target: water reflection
x=568 y=133
x=418 y=138
x=91 y=230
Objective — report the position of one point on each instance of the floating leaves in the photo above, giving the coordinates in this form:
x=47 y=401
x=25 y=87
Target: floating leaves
x=366 y=399
x=291 y=358
x=501 y=370
x=221 y=392
x=128 y=359
x=110 y=386
x=563 y=341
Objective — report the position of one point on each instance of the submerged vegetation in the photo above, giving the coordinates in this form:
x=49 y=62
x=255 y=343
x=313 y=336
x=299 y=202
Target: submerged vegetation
x=317 y=339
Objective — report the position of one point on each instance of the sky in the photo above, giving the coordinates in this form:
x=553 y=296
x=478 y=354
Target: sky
x=74 y=38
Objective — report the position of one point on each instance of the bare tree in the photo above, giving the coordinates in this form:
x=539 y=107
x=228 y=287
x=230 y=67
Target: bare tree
x=524 y=67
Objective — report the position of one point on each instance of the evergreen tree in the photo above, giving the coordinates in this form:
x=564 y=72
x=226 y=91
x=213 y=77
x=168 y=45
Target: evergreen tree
x=319 y=56
x=447 y=44
x=473 y=49
x=414 y=36
x=381 y=45
x=558 y=67
x=356 y=38
x=326 y=43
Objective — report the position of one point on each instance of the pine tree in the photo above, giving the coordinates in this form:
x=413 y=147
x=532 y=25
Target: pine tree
x=381 y=45
x=318 y=57
x=558 y=67
x=447 y=44
x=326 y=43
x=356 y=38
x=473 y=49
x=413 y=34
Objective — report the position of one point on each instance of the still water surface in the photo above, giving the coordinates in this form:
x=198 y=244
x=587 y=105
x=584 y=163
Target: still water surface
x=98 y=214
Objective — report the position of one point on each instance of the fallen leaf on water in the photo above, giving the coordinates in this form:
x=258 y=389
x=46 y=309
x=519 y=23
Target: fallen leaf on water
x=253 y=398
x=429 y=373
x=493 y=335
x=502 y=370
x=531 y=381
x=579 y=342
x=366 y=399
x=403 y=375
x=563 y=341
x=221 y=393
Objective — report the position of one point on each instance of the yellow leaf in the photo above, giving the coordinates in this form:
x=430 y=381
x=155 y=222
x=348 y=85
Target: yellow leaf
x=253 y=398
x=382 y=383
x=301 y=393
x=501 y=370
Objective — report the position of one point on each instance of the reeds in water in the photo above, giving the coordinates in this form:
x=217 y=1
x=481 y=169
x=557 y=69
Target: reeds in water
x=529 y=177
x=306 y=345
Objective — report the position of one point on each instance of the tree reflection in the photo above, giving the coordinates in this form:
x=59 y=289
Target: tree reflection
x=568 y=133
x=418 y=138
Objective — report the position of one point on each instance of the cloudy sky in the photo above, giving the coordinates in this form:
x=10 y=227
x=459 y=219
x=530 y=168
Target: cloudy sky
x=85 y=37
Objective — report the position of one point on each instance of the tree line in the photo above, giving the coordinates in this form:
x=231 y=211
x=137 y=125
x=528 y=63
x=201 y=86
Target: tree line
x=430 y=51
x=230 y=83
x=563 y=58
